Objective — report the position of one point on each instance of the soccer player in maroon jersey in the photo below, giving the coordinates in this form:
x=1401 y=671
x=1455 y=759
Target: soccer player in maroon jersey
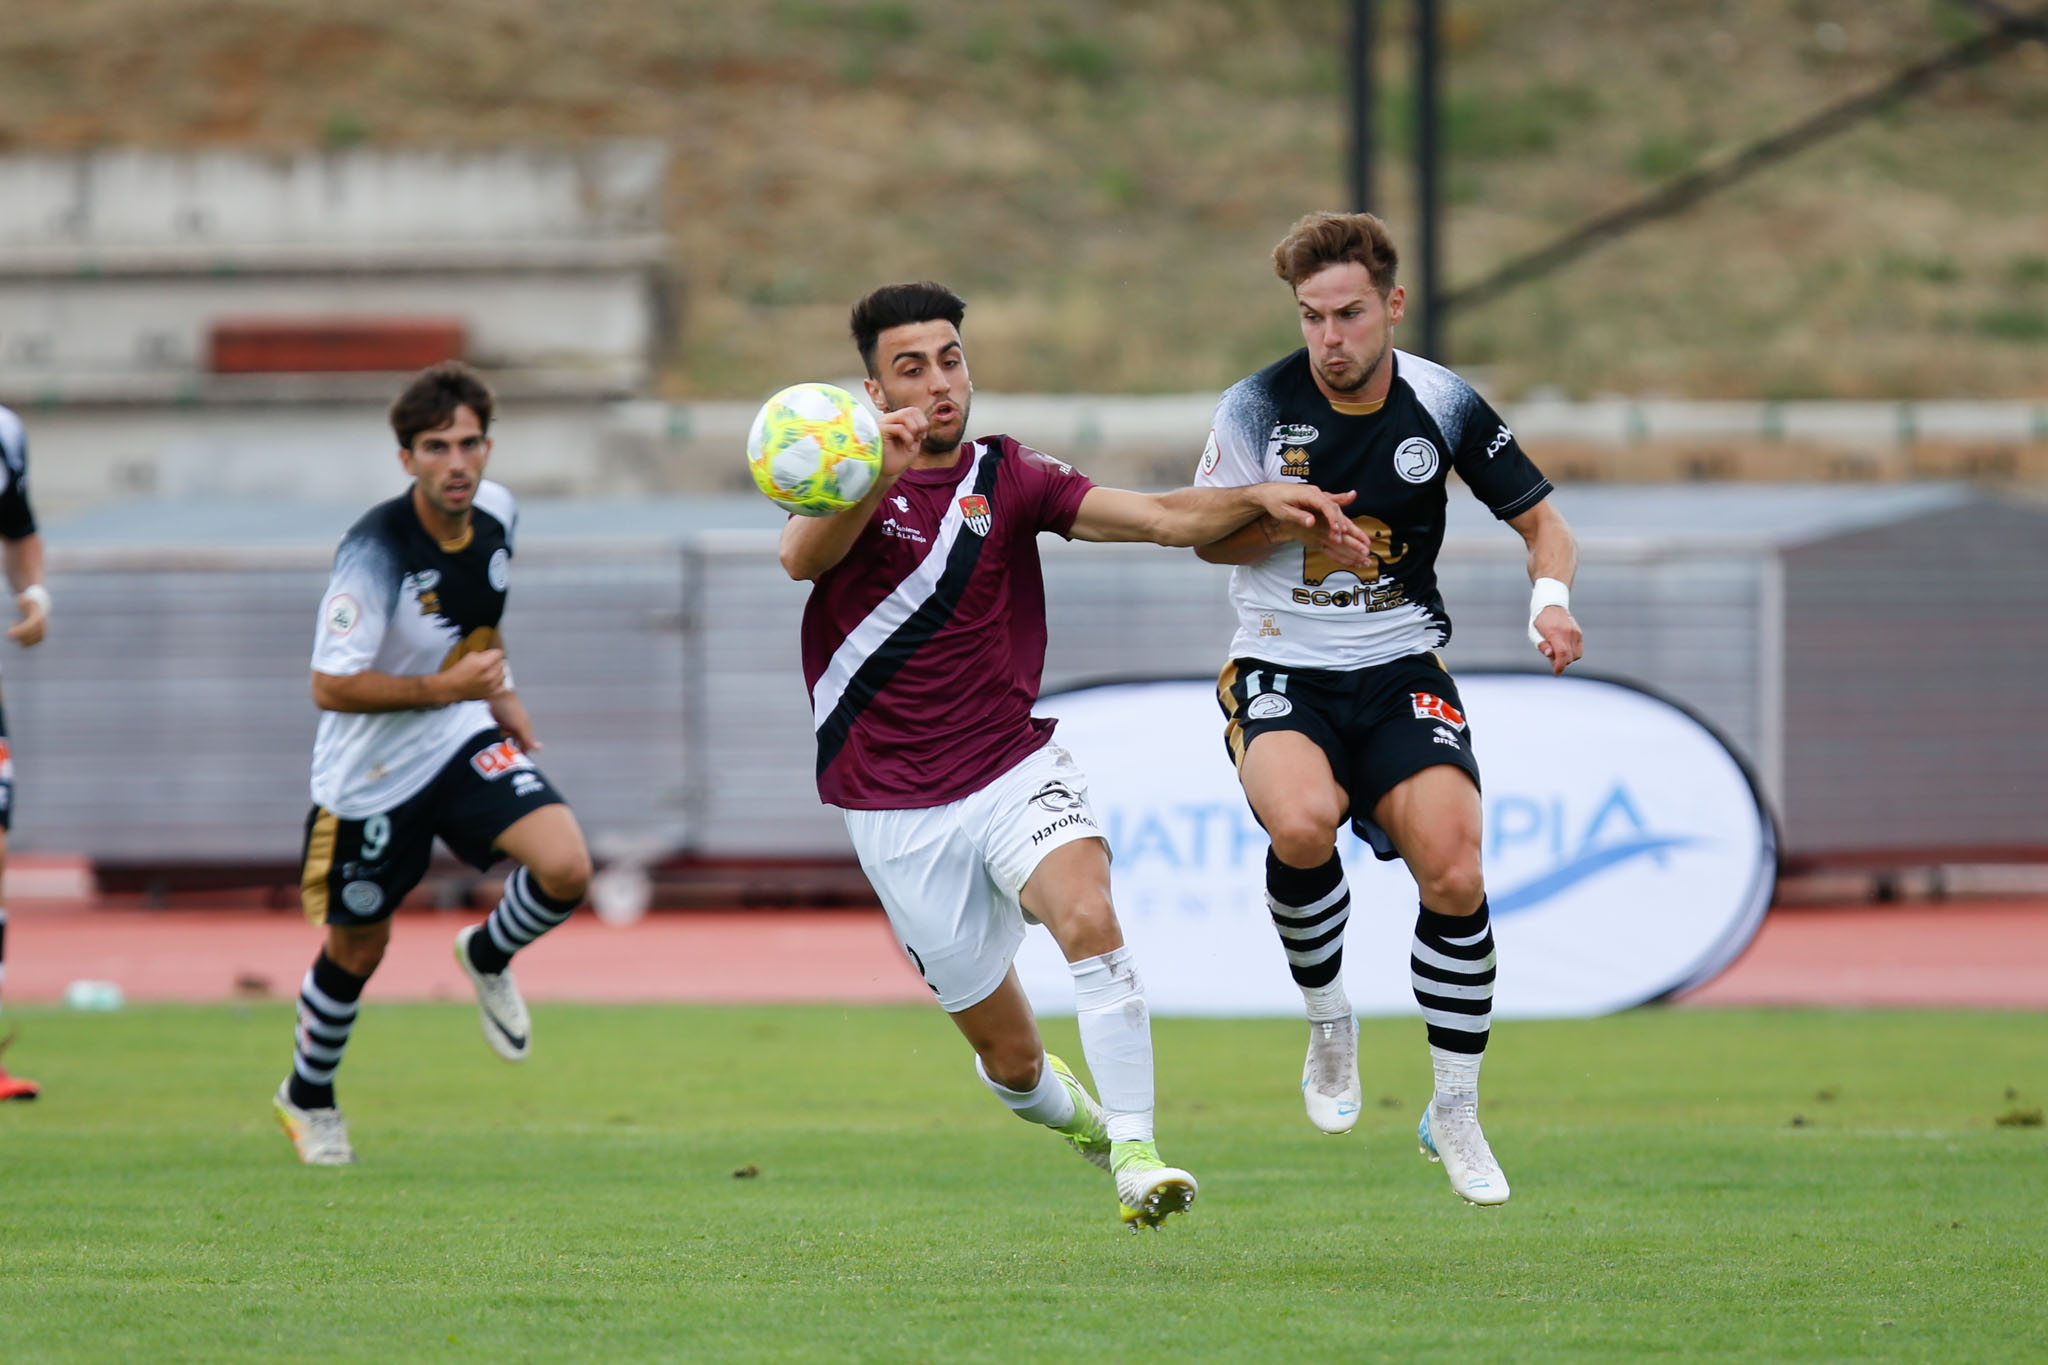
x=923 y=644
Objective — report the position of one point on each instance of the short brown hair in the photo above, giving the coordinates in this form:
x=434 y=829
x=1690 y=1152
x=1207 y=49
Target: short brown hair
x=900 y=305
x=430 y=400
x=1320 y=240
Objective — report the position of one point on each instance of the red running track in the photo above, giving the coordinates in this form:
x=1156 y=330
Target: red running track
x=1957 y=954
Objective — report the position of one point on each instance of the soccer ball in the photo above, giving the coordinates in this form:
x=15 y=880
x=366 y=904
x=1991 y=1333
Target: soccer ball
x=814 y=449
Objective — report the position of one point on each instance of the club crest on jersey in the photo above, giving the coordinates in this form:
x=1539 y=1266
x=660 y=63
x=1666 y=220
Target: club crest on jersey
x=974 y=507
x=1416 y=460
x=499 y=759
x=1429 y=706
x=500 y=568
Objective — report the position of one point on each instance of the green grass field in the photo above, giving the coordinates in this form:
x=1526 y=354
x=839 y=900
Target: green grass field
x=1687 y=1185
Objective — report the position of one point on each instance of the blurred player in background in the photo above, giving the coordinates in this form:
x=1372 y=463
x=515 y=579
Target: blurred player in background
x=923 y=644
x=1336 y=705
x=21 y=548
x=421 y=735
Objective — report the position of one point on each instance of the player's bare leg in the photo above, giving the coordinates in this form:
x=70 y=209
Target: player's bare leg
x=544 y=889
x=1069 y=893
x=1036 y=1086
x=1287 y=780
x=11 y=1087
x=1434 y=820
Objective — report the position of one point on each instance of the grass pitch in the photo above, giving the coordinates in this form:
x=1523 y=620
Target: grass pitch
x=1687 y=1185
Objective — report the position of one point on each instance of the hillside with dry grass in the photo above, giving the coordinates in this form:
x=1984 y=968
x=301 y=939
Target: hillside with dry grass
x=1104 y=180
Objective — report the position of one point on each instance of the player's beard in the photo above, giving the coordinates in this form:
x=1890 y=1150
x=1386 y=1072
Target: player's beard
x=935 y=444
x=1363 y=374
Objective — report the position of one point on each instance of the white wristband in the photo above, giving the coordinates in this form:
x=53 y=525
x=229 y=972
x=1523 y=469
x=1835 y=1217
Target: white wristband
x=1546 y=592
x=38 y=594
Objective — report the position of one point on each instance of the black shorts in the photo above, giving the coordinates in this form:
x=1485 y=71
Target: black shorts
x=1378 y=726
x=6 y=775
x=357 y=871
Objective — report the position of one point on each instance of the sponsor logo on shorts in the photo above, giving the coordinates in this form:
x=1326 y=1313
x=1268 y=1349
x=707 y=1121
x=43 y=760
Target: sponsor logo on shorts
x=974 y=507
x=1445 y=736
x=499 y=759
x=1212 y=455
x=1079 y=817
x=1429 y=706
x=342 y=614
x=1416 y=460
x=500 y=570
x=363 y=898
x=1268 y=705
x=525 y=784
x=1057 y=797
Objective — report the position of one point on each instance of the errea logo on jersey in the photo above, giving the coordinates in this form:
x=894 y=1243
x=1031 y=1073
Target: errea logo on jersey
x=1287 y=441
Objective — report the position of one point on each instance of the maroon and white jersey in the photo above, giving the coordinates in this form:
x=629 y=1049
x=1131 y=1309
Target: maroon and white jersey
x=923 y=647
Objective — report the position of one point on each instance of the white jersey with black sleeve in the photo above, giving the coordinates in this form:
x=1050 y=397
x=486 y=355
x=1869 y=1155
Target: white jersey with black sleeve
x=402 y=603
x=1297 y=606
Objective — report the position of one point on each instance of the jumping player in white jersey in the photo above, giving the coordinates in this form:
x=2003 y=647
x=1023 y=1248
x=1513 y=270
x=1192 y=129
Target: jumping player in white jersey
x=1336 y=705
x=21 y=550
x=421 y=735
x=923 y=644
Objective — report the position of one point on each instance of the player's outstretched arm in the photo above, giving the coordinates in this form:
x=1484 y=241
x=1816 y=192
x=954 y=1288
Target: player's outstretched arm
x=24 y=564
x=1199 y=516
x=473 y=677
x=1553 y=560
x=811 y=545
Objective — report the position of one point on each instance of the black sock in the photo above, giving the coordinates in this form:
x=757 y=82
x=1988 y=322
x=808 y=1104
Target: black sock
x=327 y=1011
x=1310 y=908
x=1451 y=967
x=524 y=913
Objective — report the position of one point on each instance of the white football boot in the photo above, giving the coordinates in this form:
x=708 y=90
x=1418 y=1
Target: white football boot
x=1449 y=1132
x=507 y=1027
x=321 y=1135
x=1329 y=1075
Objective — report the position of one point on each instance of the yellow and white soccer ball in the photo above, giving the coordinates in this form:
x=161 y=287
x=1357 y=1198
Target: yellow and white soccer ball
x=814 y=449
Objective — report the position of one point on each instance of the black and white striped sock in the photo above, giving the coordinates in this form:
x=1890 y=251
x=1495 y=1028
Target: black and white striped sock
x=327 y=1012
x=1310 y=908
x=524 y=913
x=1451 y=965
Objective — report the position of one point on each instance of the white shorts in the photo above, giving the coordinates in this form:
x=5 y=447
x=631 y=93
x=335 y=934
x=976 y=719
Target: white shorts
x=950 y=876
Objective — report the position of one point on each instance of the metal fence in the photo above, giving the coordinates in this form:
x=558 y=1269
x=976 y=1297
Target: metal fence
x=1876 y=661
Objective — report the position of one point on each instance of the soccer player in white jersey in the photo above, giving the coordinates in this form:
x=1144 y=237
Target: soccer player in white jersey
x=923 y=644
x=1336 y=705
x=21 y=550
x=421 y=735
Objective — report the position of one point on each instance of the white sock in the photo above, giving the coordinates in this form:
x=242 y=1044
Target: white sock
x=1048 y=1102
x=1116 y=1035
x=1326 y=1002
x=1457 y=1073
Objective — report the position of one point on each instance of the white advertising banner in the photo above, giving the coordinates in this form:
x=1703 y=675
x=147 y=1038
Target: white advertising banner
x=1627 y=853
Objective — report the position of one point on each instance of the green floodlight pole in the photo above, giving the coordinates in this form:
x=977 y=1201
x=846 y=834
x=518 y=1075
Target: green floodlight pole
x=1362 y=95
x=1428 y=186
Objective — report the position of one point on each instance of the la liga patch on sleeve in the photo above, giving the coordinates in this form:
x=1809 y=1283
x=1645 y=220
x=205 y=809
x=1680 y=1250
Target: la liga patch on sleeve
x=342 y=614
